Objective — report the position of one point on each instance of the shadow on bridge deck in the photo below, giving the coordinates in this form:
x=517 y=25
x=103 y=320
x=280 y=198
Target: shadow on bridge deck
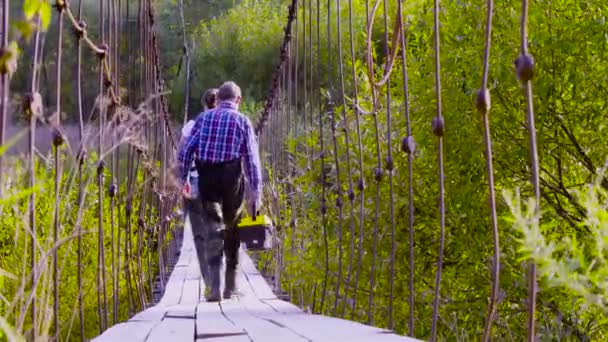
x=255 y=314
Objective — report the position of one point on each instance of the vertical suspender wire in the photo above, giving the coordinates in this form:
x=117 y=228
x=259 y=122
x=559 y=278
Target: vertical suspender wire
x=339 y=202
x=305 y=80
x=100 y=167
x=300 y=237
x=525 y=71
x=389 y=167
x=80 y=160
x=296 y=119
x=111 y=61
x=322 y=153
x=133 y=155
x=4 y=84
x=438 y=129
x=56 y=145
x=187 y=60
x=408 y=145
x=32 y=175
x=164 y=125
x=113 y=159
x=361 y=182
x=378 y=173
x=483 y=106
x=312 y=78
x=351 y=193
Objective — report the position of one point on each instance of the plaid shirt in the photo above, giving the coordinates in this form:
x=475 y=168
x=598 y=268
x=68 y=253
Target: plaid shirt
x=220 y=135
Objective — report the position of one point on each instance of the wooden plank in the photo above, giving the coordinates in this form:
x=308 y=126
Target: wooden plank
x=282 y=306
x=154 y=313
x=172 y=329
x=322 y=328
x=190 y=292
x=257 y=281
x=233 y=338
x=210 y=322
x=128 y=331
x=256 y=327
x=181 y=311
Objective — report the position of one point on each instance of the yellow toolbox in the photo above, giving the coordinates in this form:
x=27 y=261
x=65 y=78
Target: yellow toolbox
x=257 y=235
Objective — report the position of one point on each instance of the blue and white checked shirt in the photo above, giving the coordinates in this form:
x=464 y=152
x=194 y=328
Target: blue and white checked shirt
x=223 y=134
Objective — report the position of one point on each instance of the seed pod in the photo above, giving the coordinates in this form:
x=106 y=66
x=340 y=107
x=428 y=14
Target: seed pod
x=482 y=101
x=524 y=67
x=323 y=208
x=438 y=126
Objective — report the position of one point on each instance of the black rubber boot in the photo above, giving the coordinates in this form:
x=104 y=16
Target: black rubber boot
x=214 y=279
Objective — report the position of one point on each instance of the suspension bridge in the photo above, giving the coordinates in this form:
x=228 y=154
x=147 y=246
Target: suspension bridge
x=141 y=290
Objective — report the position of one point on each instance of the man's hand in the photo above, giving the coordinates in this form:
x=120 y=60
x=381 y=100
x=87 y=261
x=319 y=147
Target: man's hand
x=186 y=191
x=253 y=205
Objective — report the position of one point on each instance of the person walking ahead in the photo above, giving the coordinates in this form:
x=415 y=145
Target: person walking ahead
x=193 y=205
x=223 y=145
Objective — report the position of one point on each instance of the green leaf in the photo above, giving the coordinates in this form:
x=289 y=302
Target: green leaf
x=8 y=59
x=45 y=14
x=30 y=7
x=25 y=27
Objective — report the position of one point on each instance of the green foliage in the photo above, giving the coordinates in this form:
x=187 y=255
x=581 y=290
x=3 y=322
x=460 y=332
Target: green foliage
x=77 y=219
x=579 y=266
x=567 y=40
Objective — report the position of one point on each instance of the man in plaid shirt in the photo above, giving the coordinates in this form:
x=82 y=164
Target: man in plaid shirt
x=222 y=143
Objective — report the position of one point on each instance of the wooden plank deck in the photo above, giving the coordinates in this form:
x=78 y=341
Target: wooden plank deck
x=255 y=314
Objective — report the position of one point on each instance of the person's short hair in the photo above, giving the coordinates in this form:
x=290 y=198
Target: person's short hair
x=209 y=99
x=228 y=91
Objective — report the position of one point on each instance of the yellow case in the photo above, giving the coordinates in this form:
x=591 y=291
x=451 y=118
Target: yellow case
x=260 y=220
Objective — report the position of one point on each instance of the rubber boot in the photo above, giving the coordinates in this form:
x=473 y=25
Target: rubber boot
x=229 y=285
x=214 y=278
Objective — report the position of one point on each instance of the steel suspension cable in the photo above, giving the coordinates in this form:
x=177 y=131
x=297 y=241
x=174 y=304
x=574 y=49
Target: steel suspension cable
x=361 y=182
x=378 y=175
x=331 y=113
x=80 y=160
x=33 y=109
x=408 y=145
x=322 y=169
x=524 y=65
x=57 y=141
x=389 y=162
x=4 y=84
x=438 y=130
x=483 y=106
x=351 y=193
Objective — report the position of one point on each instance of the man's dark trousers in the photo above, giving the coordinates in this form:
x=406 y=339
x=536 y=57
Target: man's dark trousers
x=194 y=210
x=221 y=191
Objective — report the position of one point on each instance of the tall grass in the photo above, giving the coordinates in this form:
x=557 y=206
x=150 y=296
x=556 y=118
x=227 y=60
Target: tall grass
x=125 y=151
